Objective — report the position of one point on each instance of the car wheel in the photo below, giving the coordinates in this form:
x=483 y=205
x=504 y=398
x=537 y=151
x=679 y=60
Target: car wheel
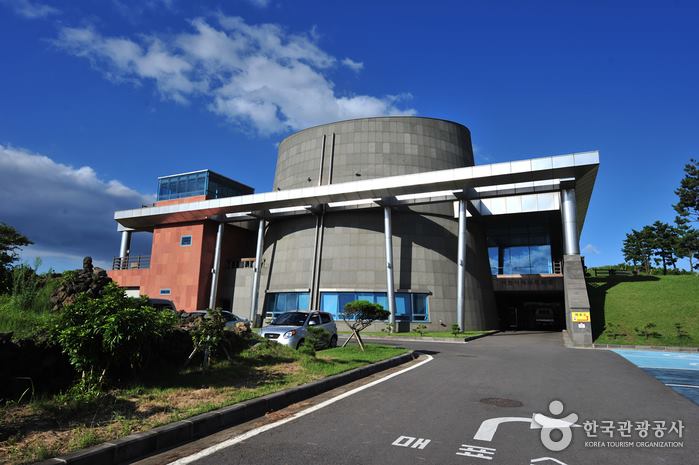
x=298 y=346
x=333 y=340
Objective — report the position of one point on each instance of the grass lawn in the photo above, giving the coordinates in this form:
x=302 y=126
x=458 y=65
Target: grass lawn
x=442 y=334
x=21 y=323
x=624 y=303
x=45 y=428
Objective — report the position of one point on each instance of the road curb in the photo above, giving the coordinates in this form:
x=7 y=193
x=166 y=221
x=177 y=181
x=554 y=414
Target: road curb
x=139 y=445
x=568 y=343
x=427 y=339
x=479 y=336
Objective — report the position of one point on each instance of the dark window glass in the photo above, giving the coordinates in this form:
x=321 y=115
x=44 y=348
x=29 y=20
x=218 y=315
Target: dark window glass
x=280 y=302
x=409 y=306
x=524 y=249
x=419 y=307
x=345 y=298
x=493 y=259
x=290 y=319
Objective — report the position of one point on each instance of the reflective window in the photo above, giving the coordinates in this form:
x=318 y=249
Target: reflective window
x=519 y=250
x=409 y=306
x=280 y=302
x=420 y=307
x=205 y=182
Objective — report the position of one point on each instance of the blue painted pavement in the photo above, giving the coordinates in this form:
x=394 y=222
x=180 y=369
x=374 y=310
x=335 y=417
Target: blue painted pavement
x=677 y=370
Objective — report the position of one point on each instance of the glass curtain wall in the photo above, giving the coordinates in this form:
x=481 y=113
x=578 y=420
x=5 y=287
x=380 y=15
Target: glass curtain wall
x=522 y=249
x=409 y=306
x=204 y=182
x=280 y=302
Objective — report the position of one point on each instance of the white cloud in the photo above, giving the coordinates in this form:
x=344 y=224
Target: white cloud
x=591 y=249
x=355 y=66
x=259 y=3
x=67 y=212
x=253 y=75
x=31 y=10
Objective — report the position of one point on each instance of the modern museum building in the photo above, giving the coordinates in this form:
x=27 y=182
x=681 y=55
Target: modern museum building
x=392 y=210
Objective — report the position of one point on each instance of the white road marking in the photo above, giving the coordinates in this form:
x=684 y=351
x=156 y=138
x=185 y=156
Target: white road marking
x=668 y=368
x=254 y=432
x=489 y=427
x=409 y=441
x=684 y=385
x=476 y=452
x=547 y=459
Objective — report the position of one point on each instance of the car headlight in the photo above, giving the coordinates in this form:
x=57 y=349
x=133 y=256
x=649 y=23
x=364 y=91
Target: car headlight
x=288 y=334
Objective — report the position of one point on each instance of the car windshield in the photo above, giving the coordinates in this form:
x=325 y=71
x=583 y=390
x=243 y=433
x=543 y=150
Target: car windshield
x=290 y=319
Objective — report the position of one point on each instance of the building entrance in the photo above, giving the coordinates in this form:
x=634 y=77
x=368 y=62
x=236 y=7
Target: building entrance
x=531 y=311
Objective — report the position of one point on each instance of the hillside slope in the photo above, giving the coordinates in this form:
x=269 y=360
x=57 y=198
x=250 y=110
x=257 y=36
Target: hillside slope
x=622 y=304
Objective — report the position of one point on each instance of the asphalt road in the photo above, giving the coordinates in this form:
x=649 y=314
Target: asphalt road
x=443 y=401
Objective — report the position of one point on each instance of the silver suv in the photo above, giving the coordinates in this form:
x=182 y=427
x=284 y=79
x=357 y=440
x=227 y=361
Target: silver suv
x=291 y=328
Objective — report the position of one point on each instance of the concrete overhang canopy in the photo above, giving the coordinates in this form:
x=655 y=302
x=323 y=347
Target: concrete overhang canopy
x=477 y=181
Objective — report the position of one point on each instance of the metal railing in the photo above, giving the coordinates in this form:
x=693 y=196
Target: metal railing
x=131 y=262
x=557 y=267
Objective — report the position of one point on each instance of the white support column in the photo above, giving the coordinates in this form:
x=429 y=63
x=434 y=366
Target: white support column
x=571 y=244
x=124 y=248
x=461 y=267
x=256 y=270
x=215 y=271
x=390 y=286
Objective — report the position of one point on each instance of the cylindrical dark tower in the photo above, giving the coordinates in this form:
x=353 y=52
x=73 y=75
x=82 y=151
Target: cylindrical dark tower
x=327 y=259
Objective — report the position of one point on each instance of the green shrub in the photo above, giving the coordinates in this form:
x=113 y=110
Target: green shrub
x=648 y=331
x=363 y=313
x=420 y=330
x=110 y=334
x=682 y=335
x=208 y=335
x=359 y=314
x=614 y=331
x=319 y=338
x=307 y=348
x=455 y=330
x=25 y=286
x=388 y=328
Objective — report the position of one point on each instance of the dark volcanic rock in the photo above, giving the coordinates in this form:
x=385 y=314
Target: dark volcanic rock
x=90 y=280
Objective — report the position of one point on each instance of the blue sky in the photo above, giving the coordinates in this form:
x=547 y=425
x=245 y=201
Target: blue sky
x=97 y=99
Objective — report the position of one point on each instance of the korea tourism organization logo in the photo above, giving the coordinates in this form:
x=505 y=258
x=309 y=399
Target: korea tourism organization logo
x=626 y=433
x=558 y=431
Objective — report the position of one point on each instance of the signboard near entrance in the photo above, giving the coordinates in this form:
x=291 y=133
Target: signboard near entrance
x=581 y=317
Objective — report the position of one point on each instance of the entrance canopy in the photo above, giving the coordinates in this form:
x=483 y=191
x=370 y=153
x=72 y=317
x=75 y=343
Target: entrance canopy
x=499 y=188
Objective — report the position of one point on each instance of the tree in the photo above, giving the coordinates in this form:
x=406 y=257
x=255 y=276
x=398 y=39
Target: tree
x=632 y=249
x=638 y=247
x=358 y=315
x=688 y=192
x=664 y=244
x=10 y=241
x=687 y=245
x=110 y=333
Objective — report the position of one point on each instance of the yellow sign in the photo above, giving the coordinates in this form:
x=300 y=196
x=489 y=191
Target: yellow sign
x=581 y=317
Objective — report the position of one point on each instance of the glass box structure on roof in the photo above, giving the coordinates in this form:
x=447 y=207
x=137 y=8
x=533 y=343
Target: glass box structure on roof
x=204 y=182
